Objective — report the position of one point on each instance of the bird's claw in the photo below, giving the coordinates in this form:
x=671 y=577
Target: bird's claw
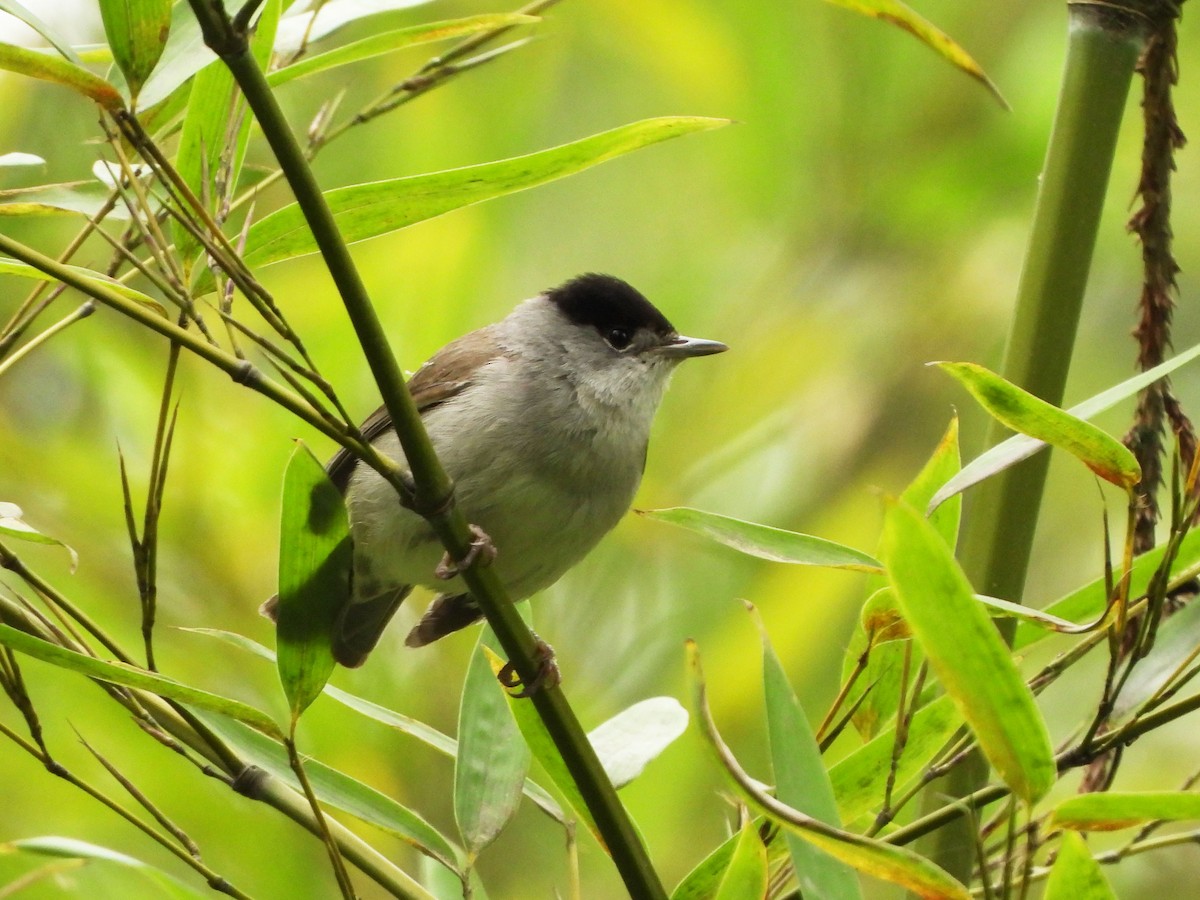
x=482 y=550
x=548 y=675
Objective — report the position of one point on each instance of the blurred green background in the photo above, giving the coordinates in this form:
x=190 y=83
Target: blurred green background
x=865 y=215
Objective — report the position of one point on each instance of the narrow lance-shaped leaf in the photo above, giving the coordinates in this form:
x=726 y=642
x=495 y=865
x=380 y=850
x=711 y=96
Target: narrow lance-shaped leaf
x=314 y=577
x=53 y=38
x=966 y=652
x=890 y=863
x=1018 y=447
x=489 y=771
x=765 y=542
x=365 y=211
x=636 y=736
x=1076 y=875
x=24 y=270
x=137 y=32
x=703 y=881
x=164 y=885
x=314 y=25
x=14 y=526
x=390 y=41
x=904 y=17
x=801 y=780
x=128 y=676
x=60 y=71
x=1022 y=411
x=881 y=627
x=86 y=198
x=212 y=145
x=542 y=746
x=1114 y=810
x=746 y=876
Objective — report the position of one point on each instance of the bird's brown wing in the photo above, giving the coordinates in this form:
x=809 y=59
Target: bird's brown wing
x=447 y=373
x=450 y=371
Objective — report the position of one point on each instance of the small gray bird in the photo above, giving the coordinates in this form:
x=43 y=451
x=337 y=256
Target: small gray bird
x=542 y=421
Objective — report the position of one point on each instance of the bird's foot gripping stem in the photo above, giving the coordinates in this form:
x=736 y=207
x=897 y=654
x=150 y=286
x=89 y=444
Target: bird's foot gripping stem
x=548 y=675
x=482 y=550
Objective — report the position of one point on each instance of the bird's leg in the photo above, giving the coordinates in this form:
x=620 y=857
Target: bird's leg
x=548 y=675
x=482 y=550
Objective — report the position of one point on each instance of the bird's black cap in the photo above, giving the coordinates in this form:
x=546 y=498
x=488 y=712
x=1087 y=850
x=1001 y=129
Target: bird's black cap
x=605 y=302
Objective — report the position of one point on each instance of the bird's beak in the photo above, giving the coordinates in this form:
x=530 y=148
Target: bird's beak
x=684 y=347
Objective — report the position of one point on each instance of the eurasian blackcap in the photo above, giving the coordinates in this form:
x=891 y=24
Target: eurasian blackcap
x=542 y=421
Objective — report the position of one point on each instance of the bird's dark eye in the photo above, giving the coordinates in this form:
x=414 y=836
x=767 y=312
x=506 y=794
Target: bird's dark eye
x=618 y=338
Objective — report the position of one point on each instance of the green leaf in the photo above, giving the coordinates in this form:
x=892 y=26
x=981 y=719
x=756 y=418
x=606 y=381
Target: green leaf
x=212 y=145
x=184 y=55
x=314 y=577
x=1019 y=447
x=55 y=40
x=904 y=17
x=129 y=676
x=86 y=198
x=1176 y=648
x=338 y=790
x=60 y=71
x=398 y=39
x=14 y=526
x=1022 y=411
x=405 y=724
x=895 y=864
x=746 y=876
x=23 y=270
x=881 y=627
x=71 y=848
x=801 y=781
x=365 y=211
x=137 y=32
x=1089 y=601
x=637 y=735
x=1076 y=875
x=859 y=780
x=704 y=880
x=1115 y=810
x=966 y=653
x=329 y=18
x=764 y=541
x=543 y=748
x=492 y=758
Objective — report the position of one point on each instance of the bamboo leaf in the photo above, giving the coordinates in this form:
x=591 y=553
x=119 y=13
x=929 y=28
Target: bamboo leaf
x=966 y=653
x=637 y=735
x=1022 y=411
x=904 y=17
x=492 y=759
x=881 y=626
x=53 y=38
x=365 y=211
x=164 y=885
x=542 y=746
x=801 y=781
x=329 y=17
x=340 y=791
x=85 y=198
x=746 y=876
x=314 y=577
x=184 y=55
x=1076 y=875
x=212 y=145
x=703 y=881
x=763 y=541
x=1176 y=649
x=45 y=67
x=13 y=160
x=22 y=270
x=895 y=864
x=137 y=33
x=397 y=39
x=859 y=779
x=1115 y=810
x=14 y=526
x=1090 y=600
x=1019 y=447
x=128 y=676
